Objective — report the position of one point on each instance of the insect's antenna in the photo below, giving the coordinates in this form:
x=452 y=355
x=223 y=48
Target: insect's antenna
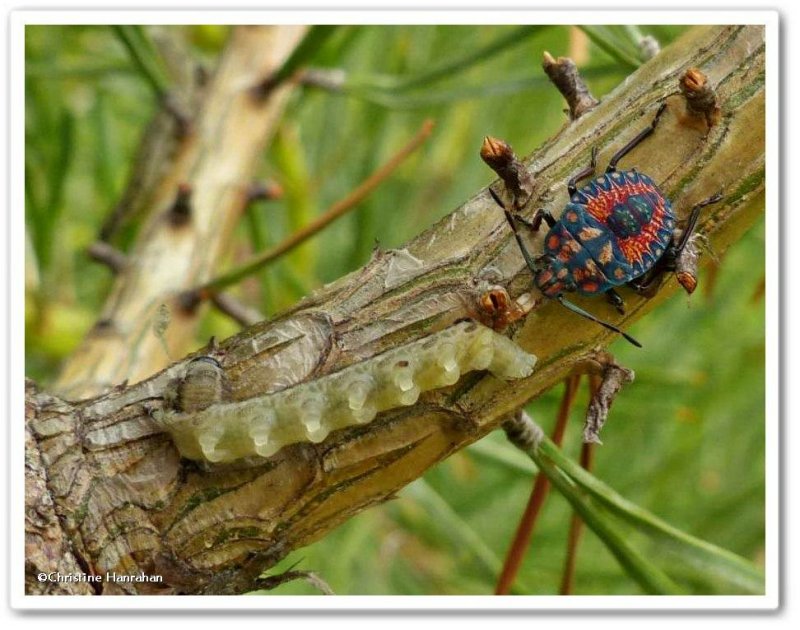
x=578 y=310
x=513 y=224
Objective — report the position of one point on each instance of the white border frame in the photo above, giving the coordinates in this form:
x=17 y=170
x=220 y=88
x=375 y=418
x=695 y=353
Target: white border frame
x=18 y=600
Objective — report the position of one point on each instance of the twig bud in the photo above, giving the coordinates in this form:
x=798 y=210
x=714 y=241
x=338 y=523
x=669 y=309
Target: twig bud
x=565 y=76
x=500 y=157
x=701 y=99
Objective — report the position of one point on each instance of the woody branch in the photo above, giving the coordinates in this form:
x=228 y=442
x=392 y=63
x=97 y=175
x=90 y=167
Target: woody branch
x=127 y=502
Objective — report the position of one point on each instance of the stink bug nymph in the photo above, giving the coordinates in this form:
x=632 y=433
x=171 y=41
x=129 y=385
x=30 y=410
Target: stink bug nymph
x=619 y=229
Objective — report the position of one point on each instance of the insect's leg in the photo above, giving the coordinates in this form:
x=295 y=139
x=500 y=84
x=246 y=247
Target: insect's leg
x=648 y=284
x=694 y=215
x=540 y=215
x=529 y=260
x=586 y=172
x=534 y=224
x=512 y=222
x=612 y=165
x=616 y=300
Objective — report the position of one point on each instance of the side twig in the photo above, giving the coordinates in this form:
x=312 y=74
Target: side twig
x=565 y=76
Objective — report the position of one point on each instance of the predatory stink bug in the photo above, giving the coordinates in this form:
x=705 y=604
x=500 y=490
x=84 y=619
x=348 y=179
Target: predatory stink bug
x=619 y=229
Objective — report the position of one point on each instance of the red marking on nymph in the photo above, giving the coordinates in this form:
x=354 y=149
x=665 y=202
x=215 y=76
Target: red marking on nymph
x=601 y=205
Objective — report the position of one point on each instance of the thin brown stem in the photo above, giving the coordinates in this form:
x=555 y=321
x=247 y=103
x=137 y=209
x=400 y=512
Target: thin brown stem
x=576 y=523
x=108 y=255
x=236 y=310
x=337 y=210
x=522 y=537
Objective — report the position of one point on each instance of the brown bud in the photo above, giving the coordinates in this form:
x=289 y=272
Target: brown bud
x=701 y=99
x=497 y=153
x=687 y=280
x=500 y=157
x=686 y=264
x=565 y=76
x=498 y=309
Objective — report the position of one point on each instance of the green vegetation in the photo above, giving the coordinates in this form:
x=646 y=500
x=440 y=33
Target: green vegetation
x=685 y=441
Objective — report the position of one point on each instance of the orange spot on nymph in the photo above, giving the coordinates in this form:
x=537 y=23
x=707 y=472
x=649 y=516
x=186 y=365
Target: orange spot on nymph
x=572 y=216
x=588 y=233
x=606 y=254
x=590 y=286
x=553 y=241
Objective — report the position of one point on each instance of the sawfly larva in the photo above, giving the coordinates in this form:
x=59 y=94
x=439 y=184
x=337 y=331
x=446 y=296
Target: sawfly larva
x=308 y=412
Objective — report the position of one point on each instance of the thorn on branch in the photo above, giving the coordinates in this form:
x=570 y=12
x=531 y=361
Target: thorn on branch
x=108 y=255
x=264 y=191
x=330 y=79
x=565 y=76
x=613 y=376
x=686 y=264
x=189 y=300
x=180 y=213
x=701 y=99
x=260 y=91
x=500 y=157
x=103 y=326
x=273 y=581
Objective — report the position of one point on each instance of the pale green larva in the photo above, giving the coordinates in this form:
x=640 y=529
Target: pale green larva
x=308 y=412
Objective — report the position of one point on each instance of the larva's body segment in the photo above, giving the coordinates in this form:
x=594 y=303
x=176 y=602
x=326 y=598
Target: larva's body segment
x=261 y=426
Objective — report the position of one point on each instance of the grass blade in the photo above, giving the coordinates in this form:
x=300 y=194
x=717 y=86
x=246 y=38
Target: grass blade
x=444 y=518
x=144 y=56
x=704 y=556
x=650 y=577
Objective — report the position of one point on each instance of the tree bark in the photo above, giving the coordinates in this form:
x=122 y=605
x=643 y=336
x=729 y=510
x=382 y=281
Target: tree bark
x=108 y=492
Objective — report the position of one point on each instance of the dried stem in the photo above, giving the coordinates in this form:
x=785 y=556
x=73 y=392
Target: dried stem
x=236 y=310
x=565 y=76
x=264 y=191
x=500 y=157
x=613 y=377
x=150 y=509
x=216 y=164
x=337 y=210
x=108 y=255
x=522 y=537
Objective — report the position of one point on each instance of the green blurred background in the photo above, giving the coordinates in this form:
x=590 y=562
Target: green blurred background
x=685 y=441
